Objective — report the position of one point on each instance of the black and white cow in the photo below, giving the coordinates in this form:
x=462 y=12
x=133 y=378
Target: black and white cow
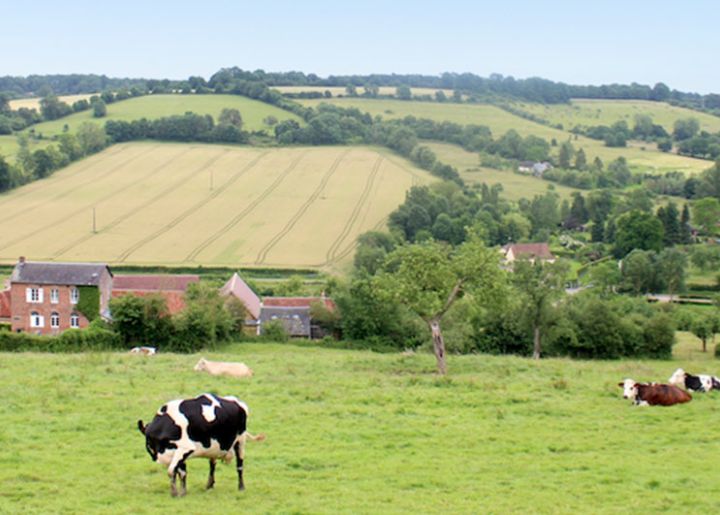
x=208 y=426
x=698 y=383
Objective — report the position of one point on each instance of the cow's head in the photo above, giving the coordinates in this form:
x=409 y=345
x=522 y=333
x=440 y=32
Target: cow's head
x=678 y=377
x=630 y=389
x=149 y=442
x=201 y=365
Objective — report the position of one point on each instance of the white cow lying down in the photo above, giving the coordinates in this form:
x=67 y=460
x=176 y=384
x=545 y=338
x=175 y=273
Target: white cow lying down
x=145 y=351
x=217 y=368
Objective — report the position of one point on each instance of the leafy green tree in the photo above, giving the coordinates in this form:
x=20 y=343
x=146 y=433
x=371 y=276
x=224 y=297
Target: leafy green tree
x=540 y=284
x=685 y=128
x=670 y=218
x=371 y=90
x=5 y=175
x=597 y=233
x=660 y=92
x=43 y=164
x=231 y=117
x=709 y=185
x=706 y=214
x=52 y=108
x=141 y=320
x=99 y=109
x=580 y=160
x=91 y=137
x=637 y=230
x=685 y=233
x=351 y=90
x=672 y=266
x=605 y=277
x=543 y=213
x=598 y=164
x=579 y=214
x=565 y=154
x=702 y=327
x=440 y=96
x=403 y=93
x=638 y=271
x=706 y=257
x=428 y=279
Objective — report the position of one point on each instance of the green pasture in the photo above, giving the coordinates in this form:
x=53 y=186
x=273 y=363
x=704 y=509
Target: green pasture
x=590 y=112
x=642 y=157
x=193 y=204
x=157 y=106
x=515 y=185
x=359 y=432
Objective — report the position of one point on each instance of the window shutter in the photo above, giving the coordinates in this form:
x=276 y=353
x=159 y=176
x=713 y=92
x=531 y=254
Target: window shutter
x=40 y=294
x=28 y=294
x=41 y=320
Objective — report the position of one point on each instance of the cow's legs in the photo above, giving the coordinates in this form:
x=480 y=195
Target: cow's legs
x=239 y=458
x=177 y=466
x=182 y=470
x=211 y=477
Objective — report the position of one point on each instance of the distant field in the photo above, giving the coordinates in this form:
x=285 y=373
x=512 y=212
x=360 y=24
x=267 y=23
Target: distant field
x=289 y=208
x=362 y=432
x=606 y=112
x=515 y=186
x=340 y=91
x=500 y=121
x=156 y=106
x=34 y=103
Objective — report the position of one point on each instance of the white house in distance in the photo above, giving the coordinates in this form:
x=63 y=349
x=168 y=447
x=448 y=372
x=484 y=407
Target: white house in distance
x=530 y=251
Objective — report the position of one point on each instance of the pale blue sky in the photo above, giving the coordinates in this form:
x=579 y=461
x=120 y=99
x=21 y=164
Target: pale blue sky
x=643 y=41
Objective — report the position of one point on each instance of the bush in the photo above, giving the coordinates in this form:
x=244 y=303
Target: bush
x=69 y=341
x=274 y=331
x=659 y=337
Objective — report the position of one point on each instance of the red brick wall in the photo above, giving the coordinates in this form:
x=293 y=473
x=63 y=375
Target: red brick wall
x=21 y=309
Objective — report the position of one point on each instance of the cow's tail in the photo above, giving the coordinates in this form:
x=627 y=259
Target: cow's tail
x=255 y=438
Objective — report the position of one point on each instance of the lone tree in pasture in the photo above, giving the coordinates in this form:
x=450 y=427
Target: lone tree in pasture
x=540 y=285
x=703 y=328
x=232 y=117
x=428 y=278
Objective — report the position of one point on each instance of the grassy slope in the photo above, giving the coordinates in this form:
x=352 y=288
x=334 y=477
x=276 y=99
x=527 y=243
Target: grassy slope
x=340 y=91
x=501 y=121
x=289 y=207
x=357 y=432
x=157 y=106
x=515 y=186
x=606 y=112
x=34 y=103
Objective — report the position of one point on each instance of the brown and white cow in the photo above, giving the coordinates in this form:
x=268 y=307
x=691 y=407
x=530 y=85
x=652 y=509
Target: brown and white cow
x=653 y=394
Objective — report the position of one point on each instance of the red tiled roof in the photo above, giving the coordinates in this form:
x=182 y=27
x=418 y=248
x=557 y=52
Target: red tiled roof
x=175 y=300
x=540 y=250
x=154 y=282
x=297 y=302
x=5 y=304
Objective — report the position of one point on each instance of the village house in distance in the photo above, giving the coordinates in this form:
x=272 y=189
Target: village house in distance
x=529 y=251
x=48 y=298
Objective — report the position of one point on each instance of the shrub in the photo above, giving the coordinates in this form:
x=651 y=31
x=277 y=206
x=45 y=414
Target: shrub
x=659 y=337
x=274 y=331
x=69 y=341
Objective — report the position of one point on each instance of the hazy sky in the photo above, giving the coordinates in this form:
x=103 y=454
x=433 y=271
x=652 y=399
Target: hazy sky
x=571 y=41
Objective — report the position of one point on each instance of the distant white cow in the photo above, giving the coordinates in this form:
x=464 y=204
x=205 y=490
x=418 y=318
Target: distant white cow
x=217 y=368
x=145 y=351
x=698 y=383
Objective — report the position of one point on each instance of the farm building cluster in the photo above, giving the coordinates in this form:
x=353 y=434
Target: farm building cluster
x=51 y=297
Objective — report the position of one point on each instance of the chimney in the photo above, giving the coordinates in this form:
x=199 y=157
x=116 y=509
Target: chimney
x=21 y=260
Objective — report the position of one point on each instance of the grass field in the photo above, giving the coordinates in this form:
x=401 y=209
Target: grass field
x=34 y=103
x=515 y=186
x=156 y=106
x=641 y=157
x=358 y=432
x=290 y=208
x=606 y=112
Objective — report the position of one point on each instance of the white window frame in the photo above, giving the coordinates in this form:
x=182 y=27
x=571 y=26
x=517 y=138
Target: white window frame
x=54 y=296
x=34 y=295
x=36 y=320
x=75 y=321
x=74 y=295
x=55 y=320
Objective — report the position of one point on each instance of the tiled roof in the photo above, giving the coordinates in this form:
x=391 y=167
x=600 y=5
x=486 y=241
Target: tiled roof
x=75 y=274
x=295 y=320
x=174 y=300
x=154 y=282
x=5 y=304
x=240 y=290
x=540 y=250
x=297 y=302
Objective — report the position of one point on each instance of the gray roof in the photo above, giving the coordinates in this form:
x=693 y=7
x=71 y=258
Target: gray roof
x=76 y=274
x=296 y=321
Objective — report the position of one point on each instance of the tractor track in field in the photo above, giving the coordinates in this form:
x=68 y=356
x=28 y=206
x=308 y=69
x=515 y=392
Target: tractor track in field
x=122 y=217
x=262 y=254
x=74 y=189
x=192 y=209
x=80 y=210
x=354 y=244
x=248 y=209
x=330 y=255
